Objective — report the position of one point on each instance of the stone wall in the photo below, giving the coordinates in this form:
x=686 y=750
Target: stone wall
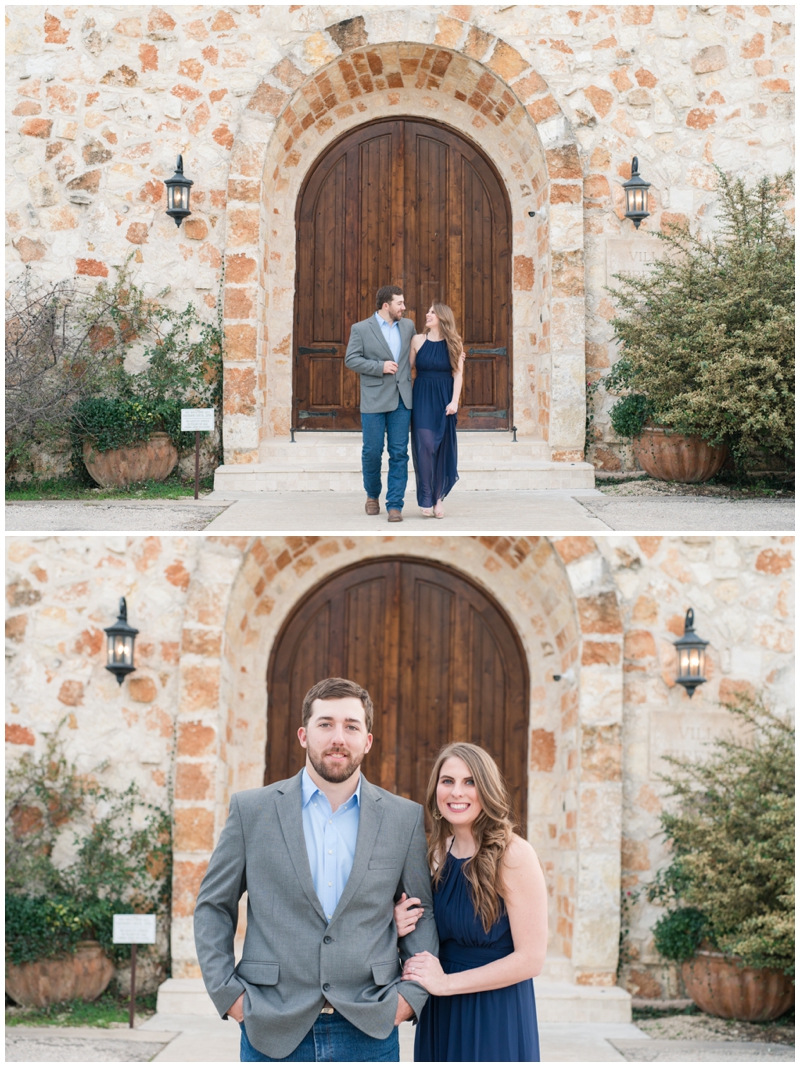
x=190 y=724
x=742 y=593
x=101 y=99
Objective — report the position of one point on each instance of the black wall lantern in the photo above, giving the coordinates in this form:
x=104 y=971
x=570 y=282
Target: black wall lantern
x=121 y=638
x=691 y=656
x=636 y=195
x=178 y=193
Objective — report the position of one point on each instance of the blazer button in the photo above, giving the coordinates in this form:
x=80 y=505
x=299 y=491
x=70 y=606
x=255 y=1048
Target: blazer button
x=327 y=940
x=326 y=987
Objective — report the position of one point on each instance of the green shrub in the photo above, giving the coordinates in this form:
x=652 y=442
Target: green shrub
x=708 y=335
x=629 y=415
x=732 y=839
x=107 y=363
x=679 y=933
x=122 y=857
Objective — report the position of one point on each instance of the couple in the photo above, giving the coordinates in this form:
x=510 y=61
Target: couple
x=341 y=943
x=383 y=350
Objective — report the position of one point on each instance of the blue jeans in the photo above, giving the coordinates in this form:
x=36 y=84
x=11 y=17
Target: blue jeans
x=394 y=426
x=332 y=1038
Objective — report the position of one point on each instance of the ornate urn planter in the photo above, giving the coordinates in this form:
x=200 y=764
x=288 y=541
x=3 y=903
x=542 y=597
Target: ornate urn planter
x=83 y=976
x=674 y=457
x=149 y=460
x=719 y=986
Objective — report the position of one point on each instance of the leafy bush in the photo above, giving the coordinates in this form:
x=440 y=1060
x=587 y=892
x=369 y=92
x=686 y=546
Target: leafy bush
x=679 y=933
x=122 y=849
x=629 y=415
x=107 y=363
x=708 y=336
x=731 y=878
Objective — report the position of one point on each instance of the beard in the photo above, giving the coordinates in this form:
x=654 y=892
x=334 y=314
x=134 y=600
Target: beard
x=395 y=316
x=337 y=772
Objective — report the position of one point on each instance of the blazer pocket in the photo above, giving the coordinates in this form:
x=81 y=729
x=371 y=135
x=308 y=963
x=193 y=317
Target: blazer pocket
x=384 y=973
x=383 y=865
x=259 y=973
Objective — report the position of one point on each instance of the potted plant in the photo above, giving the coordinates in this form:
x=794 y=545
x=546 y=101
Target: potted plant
x=59 y=916
x=108 y=370
x=131 y=432
x=729 y=887
x=707 y=359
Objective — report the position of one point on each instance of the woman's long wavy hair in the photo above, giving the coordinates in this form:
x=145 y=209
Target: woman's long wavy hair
x=447 y=328
x=492 y=829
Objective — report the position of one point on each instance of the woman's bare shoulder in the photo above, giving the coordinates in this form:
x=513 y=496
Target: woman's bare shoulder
x=518 y=853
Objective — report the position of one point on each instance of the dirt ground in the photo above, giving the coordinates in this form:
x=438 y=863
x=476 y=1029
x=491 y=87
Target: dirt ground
x=709 y=1028
x=652 y=486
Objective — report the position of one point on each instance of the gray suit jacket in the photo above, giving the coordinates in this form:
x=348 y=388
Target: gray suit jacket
x=366 y=353
x=293 y=959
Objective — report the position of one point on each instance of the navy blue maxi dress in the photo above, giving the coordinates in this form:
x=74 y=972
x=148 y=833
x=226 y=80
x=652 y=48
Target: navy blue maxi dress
x=433 y=434
x=498 y=1024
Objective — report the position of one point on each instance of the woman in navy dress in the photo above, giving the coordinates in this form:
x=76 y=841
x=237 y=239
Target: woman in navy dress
x=490 y=905
x=438 y=357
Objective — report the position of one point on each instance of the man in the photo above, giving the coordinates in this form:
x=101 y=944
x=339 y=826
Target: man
x=378 y=350
x=323 y=857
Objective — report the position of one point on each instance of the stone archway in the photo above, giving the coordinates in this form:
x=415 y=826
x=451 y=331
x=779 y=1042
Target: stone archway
x=559 y=596
x=466 y=79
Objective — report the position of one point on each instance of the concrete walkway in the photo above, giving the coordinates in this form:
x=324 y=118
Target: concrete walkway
x=495 y=512
x=207 y=1039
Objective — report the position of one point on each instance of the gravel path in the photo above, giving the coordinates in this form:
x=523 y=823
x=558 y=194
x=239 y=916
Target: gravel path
x=709 y=1028
x=175 y=516
x=675 y=514
x=29 y=1045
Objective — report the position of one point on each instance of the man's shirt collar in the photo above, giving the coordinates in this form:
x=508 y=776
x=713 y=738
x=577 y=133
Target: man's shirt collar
x=382 y=321
x=310 y=789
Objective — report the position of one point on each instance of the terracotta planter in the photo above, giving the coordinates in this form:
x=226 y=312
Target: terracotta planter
x=153 y=459
x=83 y=976
x=674 y=457
x=720 y=987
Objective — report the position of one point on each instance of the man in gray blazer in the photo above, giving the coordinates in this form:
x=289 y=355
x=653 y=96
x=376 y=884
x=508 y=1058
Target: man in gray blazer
x=323 y=857
x=378 y=350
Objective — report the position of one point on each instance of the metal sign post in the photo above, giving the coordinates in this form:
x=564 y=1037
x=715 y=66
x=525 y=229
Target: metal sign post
x=199 y=420
x=134 y=930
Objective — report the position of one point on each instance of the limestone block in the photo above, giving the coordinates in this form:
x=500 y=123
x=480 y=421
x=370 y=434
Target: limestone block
x=596 y=923
x=566 y=226
x=599 y=817
x=601 y=695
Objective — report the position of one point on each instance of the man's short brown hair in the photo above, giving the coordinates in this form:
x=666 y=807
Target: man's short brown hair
x=330 y=689
x=385 y=295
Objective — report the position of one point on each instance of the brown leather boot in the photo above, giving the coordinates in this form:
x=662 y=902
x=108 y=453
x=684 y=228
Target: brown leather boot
x=372 y=507
x=395 y=515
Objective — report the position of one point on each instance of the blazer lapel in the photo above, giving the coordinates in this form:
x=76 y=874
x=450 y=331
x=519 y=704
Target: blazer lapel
x=378 y=332
x=369 y=824
x=290 y=814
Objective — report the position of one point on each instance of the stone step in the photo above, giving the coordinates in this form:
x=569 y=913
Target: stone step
x=331 y=462
x=229 y=481
x=315 y=446
x=556 y=1002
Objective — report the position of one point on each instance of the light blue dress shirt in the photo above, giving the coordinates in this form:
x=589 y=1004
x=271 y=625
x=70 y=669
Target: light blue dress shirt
x=330 y=841
x=391 y=335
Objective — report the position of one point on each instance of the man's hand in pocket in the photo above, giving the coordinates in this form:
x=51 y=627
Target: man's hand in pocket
x=236 y=1010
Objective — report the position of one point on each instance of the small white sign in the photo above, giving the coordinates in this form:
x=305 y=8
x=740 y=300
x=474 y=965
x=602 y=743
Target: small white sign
x=197 y=419
x=134 y=930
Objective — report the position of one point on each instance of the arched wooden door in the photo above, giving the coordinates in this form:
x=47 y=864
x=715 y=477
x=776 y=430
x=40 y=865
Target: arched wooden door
x=409 y=203
x=437 y=655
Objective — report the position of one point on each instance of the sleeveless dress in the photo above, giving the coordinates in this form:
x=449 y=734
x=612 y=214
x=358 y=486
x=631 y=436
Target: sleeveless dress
x=498 y=1024
x=433 y=434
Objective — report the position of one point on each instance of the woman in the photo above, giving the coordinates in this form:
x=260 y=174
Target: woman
x=490 y=905
x=438 y=356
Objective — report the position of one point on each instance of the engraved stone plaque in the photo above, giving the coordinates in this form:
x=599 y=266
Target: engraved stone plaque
x=632 y=255
x=688 y=735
